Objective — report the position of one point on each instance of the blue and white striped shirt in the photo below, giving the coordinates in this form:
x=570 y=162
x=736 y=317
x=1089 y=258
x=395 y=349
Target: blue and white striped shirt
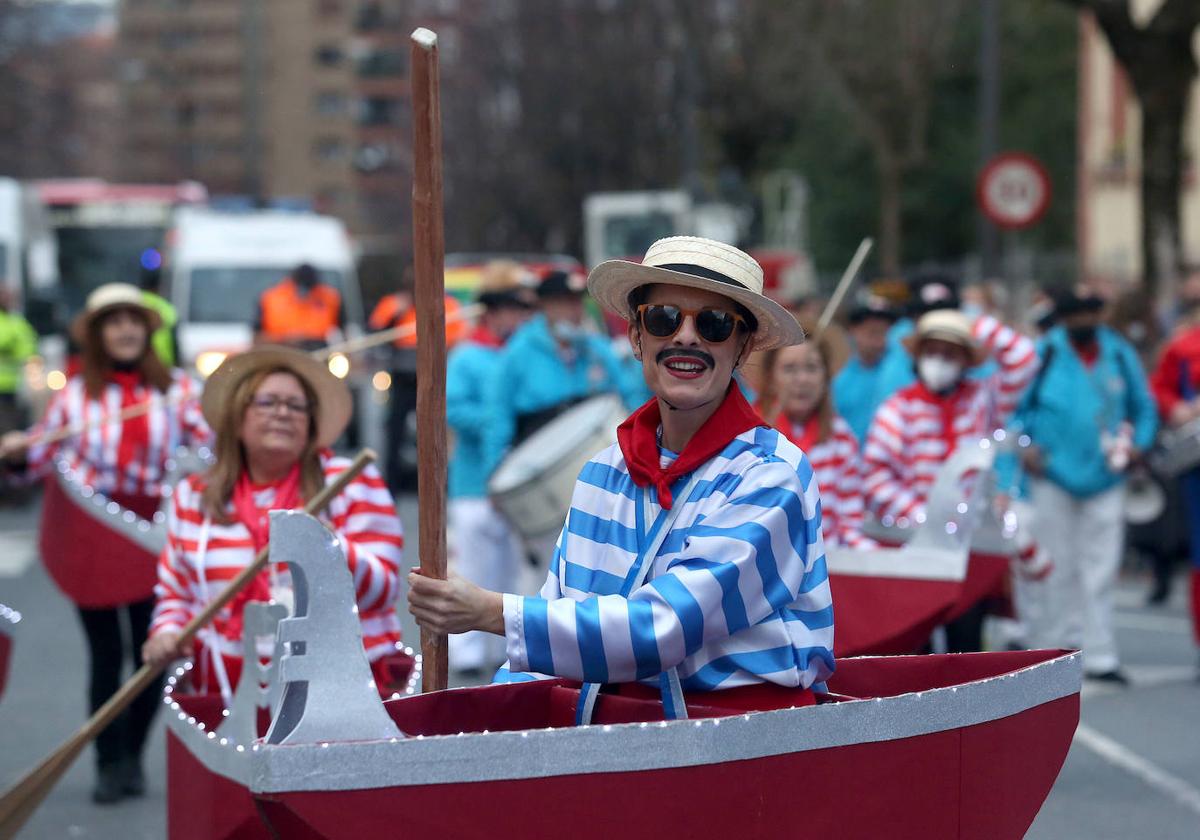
x=738 y=593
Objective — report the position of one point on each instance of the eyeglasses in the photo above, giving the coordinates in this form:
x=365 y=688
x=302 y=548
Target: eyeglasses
x=270 y=403
x=663 y=320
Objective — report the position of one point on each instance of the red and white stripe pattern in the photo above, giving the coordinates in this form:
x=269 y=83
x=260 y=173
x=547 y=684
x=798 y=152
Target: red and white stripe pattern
x=915 y=431
x=202 y=556
x=94 y=453
x=838 y=468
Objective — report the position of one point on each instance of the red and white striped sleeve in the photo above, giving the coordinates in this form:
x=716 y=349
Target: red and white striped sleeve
x=194 y=428
x=365 y=519
x=174 y=594
x=58 y=416
x=885 y=457
x=1017 y=357
x=848 y=491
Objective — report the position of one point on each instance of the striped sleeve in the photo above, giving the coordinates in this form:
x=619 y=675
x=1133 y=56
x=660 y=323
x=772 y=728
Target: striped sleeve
x=174 y=598
x=886 y=492
x=365 y=521
x=847 y=492
x=57 y=417
x=752 y=557
x=1018 y=360
x=194 y=428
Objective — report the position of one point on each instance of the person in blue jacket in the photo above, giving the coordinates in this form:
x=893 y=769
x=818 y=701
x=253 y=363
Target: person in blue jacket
x=485 y=550
x=551 y=363
x=878 y=367
x=1089 y=415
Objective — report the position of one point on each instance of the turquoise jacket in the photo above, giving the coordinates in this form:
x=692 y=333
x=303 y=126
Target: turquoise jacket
x=858 y=390
x=469 y=369
x=533 y=376
x=1069 y=404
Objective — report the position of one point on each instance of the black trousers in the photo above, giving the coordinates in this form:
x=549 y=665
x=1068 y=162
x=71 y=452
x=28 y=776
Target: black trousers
x=125 y=737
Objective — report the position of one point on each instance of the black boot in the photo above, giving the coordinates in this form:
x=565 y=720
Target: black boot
x=133 y=780
x=109 y=787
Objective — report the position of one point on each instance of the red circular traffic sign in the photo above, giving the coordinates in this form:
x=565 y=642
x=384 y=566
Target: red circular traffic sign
x=1013 y=190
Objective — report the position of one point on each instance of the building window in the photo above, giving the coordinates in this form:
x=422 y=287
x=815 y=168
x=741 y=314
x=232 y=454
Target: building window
x=382 y=63
x=330 y=103
x=328 y=55
x=330 y=8
x=379 y=110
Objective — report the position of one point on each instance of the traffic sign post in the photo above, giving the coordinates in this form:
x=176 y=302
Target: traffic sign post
x=1013 y=190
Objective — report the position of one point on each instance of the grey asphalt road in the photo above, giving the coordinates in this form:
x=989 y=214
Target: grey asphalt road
x=1133 y=771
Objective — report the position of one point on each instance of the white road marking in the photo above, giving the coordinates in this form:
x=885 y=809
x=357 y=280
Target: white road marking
x=17 y=552
x=1151 y=774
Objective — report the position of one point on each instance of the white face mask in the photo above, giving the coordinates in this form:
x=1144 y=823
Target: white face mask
x=938 y=374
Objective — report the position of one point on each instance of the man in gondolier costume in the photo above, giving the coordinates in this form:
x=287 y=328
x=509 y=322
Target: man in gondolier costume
x=692 y=557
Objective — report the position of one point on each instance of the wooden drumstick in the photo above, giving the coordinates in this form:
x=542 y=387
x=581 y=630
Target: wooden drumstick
x=18 y=803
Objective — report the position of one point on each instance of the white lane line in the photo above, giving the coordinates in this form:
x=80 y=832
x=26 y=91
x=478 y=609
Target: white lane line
x=1115 y=754
x=1153 y=623
x=17 y=552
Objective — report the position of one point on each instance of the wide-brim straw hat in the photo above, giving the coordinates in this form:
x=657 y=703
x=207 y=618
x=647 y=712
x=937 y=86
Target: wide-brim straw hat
x=334 y=403
x=108 y=297
x=949 y=325
x=697 y=263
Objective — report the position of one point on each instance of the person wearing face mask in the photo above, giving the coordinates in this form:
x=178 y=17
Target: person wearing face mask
x=125 y=461
x=551 y=363
x=300 y=310
x=691 y=561
x=796 y=394
x=1089 y=416
x=485 y=548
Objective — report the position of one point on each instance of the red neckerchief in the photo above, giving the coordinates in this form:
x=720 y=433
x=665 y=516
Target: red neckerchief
x=135 y=432
x=948 y=406
x=809 y=434
x=638 y=438
x=482 y=335
x=287 y=497
x=1088 y=353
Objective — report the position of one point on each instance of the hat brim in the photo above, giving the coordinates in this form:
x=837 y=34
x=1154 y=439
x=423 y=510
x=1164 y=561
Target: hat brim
x=334 y=401
x=976 y=354
x=611 y=282
x=79 y=326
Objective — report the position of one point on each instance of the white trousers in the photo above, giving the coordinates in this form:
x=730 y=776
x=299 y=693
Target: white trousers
x=485 y=551
x=1073 y=606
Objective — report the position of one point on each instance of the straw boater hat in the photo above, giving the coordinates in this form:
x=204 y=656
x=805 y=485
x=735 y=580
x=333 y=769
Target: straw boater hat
x=334 y=404
x=698 y=264
x=947 y=325
x=106 y=298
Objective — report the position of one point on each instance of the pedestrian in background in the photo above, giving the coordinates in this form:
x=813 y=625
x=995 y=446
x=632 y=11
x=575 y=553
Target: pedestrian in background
x=125 y=461
x=18 y=343
x=1089 y=417
x=877 y=368
x=299 y=310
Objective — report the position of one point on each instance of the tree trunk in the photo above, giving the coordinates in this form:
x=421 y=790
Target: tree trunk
x=891 y=179
x=1164 y=106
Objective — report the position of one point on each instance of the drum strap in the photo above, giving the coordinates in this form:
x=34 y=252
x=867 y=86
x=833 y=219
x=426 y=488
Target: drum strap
x=674 y=707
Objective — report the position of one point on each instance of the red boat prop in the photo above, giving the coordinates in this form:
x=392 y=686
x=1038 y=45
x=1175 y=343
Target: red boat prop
x=8 y=623
x=927 y=747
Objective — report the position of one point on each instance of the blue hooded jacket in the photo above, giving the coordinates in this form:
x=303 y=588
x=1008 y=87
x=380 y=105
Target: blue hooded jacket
x=1069 y=404
x=469 y=370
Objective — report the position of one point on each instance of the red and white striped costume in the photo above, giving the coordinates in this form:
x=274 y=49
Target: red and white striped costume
x=837 y=466
x=97 y=455
x=915 y=430
x=202 y=556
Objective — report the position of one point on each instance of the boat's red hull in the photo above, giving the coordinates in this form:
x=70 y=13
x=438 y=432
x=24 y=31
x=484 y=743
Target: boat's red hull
x=882 y=616
x=5 y=652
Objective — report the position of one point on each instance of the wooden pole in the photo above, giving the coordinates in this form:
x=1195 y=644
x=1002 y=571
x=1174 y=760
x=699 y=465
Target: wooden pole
x=429 y=292
x=18 y=803
x=843 y=285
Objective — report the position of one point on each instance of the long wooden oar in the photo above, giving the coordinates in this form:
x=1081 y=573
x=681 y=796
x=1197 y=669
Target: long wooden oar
x=352 y=345
x=19 y=802
x=428 y=259
x=843 y=285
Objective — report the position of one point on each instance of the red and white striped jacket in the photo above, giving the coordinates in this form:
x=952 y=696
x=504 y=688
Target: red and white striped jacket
x=915 y=430
x=96 y=454
x=837 y=467
x=202 y=556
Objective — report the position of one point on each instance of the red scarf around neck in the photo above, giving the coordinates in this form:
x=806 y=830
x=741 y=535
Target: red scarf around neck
x=638 y=438
x=287 y=497
x=135 y=432
x=805 y=436
x=482 y=335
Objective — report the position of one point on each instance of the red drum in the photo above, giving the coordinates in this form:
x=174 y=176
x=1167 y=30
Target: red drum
x=101 y=551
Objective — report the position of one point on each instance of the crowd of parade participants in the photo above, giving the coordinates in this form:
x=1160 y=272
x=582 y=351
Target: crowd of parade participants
x=692 y=546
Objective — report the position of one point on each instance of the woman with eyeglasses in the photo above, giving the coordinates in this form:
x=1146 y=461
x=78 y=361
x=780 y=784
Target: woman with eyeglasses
x=796 y=398
x=275 y=411
x=125 y=461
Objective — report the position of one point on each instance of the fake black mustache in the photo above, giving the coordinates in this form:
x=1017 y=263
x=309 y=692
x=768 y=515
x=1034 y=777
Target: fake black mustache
x=698 y=355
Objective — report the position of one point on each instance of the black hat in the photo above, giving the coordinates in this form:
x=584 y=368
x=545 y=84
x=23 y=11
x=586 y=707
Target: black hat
x=932 y=291
x=562 y=284
x=517 y=297
x=1072 y=303
x=872 y=307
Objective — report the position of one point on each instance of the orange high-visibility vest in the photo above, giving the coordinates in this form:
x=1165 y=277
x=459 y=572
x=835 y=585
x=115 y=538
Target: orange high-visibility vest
x=387 y=314
x=289 y=316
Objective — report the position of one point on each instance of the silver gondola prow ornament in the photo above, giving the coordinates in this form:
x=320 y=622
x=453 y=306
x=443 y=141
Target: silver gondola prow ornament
x=329 y=692
x=259 y=686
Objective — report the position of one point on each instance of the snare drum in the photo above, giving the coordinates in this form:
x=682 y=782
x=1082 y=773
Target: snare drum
x=532 y=487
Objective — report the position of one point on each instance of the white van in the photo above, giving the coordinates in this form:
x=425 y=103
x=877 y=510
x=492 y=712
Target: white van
x=218 y=264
